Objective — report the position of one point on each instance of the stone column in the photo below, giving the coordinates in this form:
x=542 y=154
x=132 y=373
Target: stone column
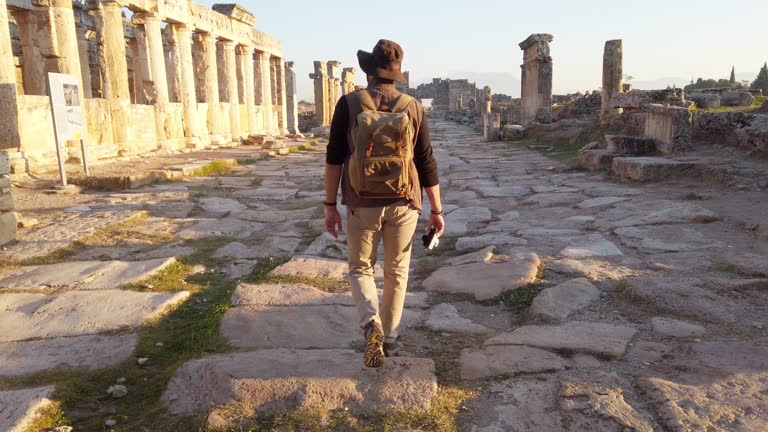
x=322 y=116
x=7 y=215
x=188 y=96
x=291 y=101
x=207 y=73
x=245 y=58
x=334 y=87
x=282 y=97
x=31 y=57
x=230 y=80
x=613 y=76
x=487 y=100
x=84 y=37
x=536 y=101
x=491 y=126
x=9 y=110
x=263 y=88
x=114 y=68
x=150 y=39
x=347 y=80
x=56 y=36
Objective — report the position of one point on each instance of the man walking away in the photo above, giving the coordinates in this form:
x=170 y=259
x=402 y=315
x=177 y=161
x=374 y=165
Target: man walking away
x=380 y=153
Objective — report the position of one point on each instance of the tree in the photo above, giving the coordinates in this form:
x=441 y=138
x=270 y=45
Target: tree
x=733 y=75
x=761 y=82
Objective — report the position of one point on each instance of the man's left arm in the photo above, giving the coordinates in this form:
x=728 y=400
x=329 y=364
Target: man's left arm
x=426 y=166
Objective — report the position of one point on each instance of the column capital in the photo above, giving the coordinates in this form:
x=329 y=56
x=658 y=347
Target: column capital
x=244 y=49
x=144 y=17
x=228 y=45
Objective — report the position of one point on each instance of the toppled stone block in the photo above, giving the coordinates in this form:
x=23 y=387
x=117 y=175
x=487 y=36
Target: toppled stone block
x=512 y=132
x=491 y=127
x=236 y=12
x=669 y=126
x=745 y=130
x=321 y=131
x=596 y=160
x=643 y=169
x=639 y=99
x=8 y=226
x=737 y=98
x=705 y=100
x=630 y=145
x=273 y=145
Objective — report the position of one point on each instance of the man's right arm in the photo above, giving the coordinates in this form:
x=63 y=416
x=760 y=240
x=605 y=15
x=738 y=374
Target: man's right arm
x=336 y=154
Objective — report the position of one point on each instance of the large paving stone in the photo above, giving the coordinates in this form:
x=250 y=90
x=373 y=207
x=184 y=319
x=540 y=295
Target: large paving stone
x=507 y=360
x=445 y=318
x=311 y=266
x=518 y=405
x=64 y=232
x=596 y=338
x=599 y=404
x=470 y=243
x=84 y=275
x=718 y=386
x=220 y=205
x=18 y=407
x=503 y=191
x=468 y=215
x=666 y=238
x=605 y=201
x=592 y=269
x=648 y=168
x=283 y=294
x=80 y=352
x=219 y=228
x=75 y=313
x=272 y=381
x=686 y=296
x=271 y=215
x=271 y=246
x=675 y=328
x=485 y=280
x=672 y=215
x=328 y=326
x=593 y=245
x=557 y=303
x=555 y=199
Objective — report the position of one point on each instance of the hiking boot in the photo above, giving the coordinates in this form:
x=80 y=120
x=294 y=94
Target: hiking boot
x=374 y=345
x=392 y=349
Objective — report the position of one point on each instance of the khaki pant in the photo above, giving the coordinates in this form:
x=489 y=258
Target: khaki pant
x=396 y=225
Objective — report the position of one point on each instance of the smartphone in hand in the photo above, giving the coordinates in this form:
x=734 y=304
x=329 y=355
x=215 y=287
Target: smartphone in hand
x=430 y=240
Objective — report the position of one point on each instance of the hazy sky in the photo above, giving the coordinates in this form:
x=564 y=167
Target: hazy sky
x=448 y=38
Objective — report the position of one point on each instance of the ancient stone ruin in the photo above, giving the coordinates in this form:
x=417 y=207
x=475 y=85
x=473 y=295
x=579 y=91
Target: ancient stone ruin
x=174 y=75
x=536 y=78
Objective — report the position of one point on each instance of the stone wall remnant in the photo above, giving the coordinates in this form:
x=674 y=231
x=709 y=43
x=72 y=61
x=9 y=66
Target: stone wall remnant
x=669 y=126
x=536 y=84
x=347 y=80
x=322 y=90
x=744 y=130
x=291 y=100
x=613 y=76
x=640 y=99
x=173 y=75
x=7 y=215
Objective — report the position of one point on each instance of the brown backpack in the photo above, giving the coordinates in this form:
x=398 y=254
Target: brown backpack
x=382 y=150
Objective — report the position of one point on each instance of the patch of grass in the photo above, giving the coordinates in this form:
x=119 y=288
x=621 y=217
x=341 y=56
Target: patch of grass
x=170 y=279
x=48 y=417
x=517 y=299
x=294 y=149
x=323 y=284
x=250 y=160
x=213 y=168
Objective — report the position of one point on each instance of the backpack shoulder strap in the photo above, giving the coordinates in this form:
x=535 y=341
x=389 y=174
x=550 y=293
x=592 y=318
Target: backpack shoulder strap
x=402 y=103
x=366 y=101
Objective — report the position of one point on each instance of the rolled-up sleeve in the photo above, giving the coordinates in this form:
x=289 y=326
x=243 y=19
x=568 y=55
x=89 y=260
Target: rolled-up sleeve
x=425 y=162
x=336 y=152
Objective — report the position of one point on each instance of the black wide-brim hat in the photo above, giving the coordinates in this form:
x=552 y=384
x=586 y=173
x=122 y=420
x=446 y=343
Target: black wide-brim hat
x=385 y=61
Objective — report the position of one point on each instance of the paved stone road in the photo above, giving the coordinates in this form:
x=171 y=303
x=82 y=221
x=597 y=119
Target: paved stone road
x=649 y=313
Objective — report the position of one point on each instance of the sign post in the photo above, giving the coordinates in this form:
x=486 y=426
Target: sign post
x=67 y=113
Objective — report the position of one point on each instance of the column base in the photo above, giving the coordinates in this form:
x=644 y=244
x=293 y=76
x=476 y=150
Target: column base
x=194 y=143
x=218 y=140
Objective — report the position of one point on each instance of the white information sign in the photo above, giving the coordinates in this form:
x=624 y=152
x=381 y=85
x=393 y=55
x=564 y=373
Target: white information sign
x=67 y=111
x=66 y=106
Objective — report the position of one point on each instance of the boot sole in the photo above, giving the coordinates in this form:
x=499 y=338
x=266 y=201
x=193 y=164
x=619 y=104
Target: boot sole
x=374 y=351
